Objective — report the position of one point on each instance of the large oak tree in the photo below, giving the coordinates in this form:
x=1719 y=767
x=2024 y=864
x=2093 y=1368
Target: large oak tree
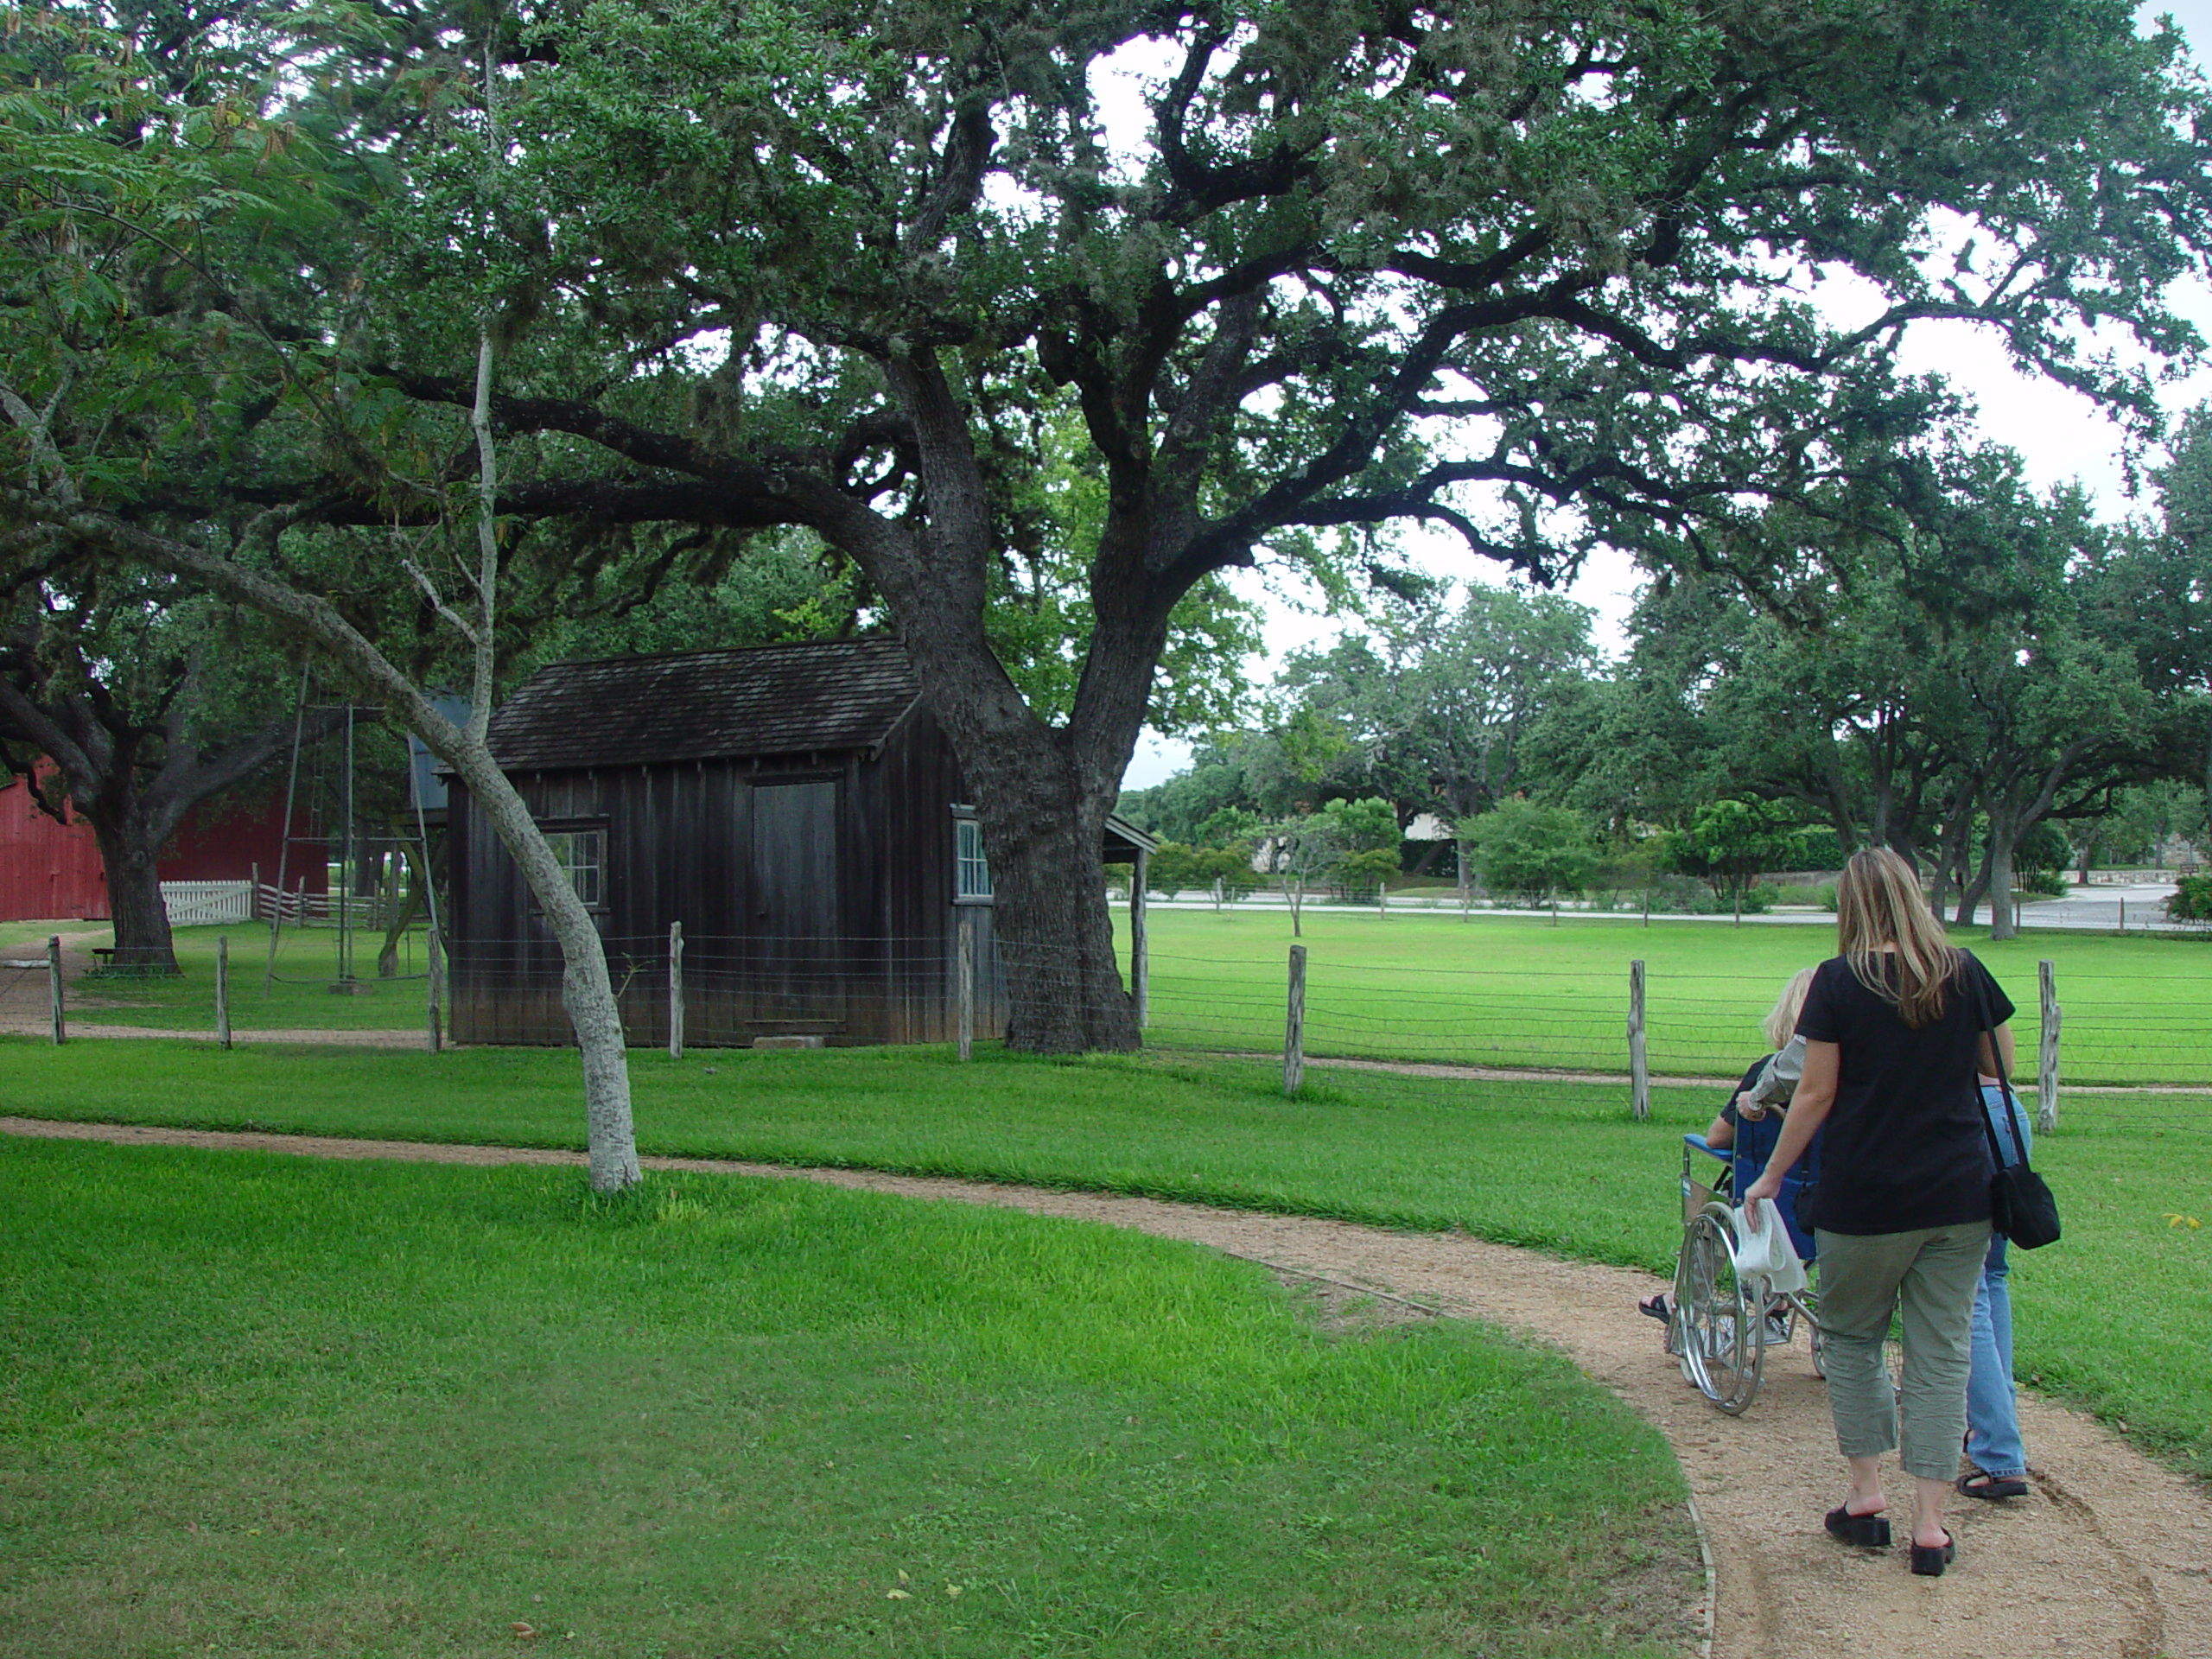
x=147 y=700
x=1538 y=276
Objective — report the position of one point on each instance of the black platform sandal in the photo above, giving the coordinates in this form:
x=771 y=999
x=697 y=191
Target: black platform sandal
x=1867 y=1531
x=1930 y=1559
x=1982 y=1483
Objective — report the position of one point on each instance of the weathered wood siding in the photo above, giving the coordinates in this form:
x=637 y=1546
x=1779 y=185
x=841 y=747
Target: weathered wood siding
x=816 y=894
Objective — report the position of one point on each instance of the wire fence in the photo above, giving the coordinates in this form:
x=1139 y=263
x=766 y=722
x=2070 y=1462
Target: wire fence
x=2141 y=1041
x=2146 y=1035
x=721 y=991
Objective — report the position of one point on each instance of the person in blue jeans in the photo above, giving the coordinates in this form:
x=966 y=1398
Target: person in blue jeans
x=2000 y=1462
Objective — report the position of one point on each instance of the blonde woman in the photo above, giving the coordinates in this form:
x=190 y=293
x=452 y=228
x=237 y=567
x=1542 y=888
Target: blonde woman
x=1770 y=1083
x=1893 y=1044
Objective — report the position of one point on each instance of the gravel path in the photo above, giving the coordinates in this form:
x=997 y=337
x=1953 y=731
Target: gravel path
x=2111 y=1555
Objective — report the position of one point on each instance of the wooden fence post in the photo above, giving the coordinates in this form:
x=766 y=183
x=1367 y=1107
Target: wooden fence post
x=54 y=986
x=2047 y=1049
x=1139 y=945
x=676 y=990
x=966 y=1030
x=1293 y=1025
x=433 y=962
x=223 y=990
x=1639 y=1073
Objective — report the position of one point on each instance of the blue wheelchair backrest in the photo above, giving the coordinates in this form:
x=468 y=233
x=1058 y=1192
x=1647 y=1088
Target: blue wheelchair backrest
x=1754 y=1141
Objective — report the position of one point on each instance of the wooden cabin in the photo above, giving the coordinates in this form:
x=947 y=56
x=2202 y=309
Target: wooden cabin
x=796 y=809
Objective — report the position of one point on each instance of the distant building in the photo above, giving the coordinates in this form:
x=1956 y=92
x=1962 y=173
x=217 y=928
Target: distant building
x=52 y=871
x=796 y=808
x=49 y=869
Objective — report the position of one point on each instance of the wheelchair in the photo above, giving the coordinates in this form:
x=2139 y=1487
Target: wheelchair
x=1720 y=1324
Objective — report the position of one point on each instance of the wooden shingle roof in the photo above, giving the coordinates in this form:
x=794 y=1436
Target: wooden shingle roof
x=706 y=705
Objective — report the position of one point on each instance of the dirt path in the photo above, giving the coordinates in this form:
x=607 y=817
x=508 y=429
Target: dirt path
x=2110 y=1556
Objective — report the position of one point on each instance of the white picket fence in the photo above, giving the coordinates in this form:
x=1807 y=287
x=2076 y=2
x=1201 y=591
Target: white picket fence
x=202 y=904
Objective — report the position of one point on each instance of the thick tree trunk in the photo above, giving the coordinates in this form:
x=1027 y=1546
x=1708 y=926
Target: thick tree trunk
x=2003 y=909
x=1055 y=935
x=130 y=850
x=2005 y=832
x=403 y=918
x=1044 y=826
x=1971 y=891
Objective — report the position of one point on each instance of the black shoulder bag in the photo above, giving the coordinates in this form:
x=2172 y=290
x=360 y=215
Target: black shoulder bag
x=2021 y=1203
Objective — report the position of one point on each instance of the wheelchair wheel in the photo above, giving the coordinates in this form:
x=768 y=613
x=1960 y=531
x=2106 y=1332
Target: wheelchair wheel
x=1892 y=1345
x=1719 y=1318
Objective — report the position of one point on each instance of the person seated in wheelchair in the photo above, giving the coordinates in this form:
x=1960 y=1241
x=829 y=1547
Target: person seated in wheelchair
x=1750 y=1124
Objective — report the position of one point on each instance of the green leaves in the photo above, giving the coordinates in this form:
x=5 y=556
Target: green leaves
x=1529 y=850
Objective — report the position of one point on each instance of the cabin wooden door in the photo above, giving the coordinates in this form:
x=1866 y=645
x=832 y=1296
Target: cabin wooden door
x=798 y=974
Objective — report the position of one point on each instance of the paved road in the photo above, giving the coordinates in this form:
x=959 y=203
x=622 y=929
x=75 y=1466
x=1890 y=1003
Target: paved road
x=2102 y=910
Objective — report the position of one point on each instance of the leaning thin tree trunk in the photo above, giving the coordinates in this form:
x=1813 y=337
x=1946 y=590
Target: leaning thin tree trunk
x=587 y=991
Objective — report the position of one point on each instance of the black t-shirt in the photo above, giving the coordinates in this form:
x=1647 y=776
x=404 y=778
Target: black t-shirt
x=1904 y=1146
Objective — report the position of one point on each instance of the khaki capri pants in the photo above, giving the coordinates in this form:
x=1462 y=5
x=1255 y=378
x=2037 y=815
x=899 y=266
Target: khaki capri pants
x=1928 y=1274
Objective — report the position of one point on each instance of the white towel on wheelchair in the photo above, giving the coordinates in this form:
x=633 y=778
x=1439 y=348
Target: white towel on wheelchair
x=1763 y=1250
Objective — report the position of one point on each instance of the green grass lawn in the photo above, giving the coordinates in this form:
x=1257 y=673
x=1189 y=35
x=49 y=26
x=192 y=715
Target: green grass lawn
x=300 y=997
x=2111 y=1318
x=256 y=1405
x=1502 y=990
x=1497 y=990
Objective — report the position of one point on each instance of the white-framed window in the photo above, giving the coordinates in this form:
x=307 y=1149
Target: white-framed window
x=971 y=870
x=582 y=854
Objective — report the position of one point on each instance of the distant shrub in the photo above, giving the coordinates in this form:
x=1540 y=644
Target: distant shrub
x=1822 y=897
x=1532 y=852
x=2192 y=899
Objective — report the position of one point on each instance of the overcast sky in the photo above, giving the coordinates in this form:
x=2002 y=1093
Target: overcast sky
x=2059 y=435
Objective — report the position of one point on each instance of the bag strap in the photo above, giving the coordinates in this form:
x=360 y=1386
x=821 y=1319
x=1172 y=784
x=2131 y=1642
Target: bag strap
x=1980 y=978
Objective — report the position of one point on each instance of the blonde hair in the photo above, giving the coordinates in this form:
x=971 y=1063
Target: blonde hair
x=1782 y=1018
x=1879 y=905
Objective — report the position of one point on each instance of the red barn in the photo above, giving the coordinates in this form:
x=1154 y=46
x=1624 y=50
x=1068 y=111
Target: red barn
x=51 y=871
x=47 y=869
